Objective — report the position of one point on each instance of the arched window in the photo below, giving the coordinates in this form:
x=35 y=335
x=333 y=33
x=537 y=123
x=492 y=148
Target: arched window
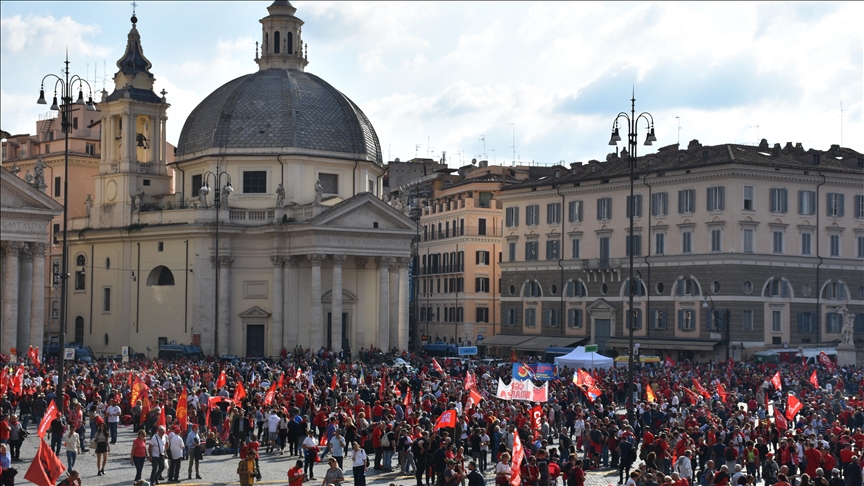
x=276 y=42
x=834 y=290
x=532 y=289
x=687 y=286
x=638 y=288
x=575 y=288
x=160 y=276
x=80 y=261
x=290 y=41
x=776 y=287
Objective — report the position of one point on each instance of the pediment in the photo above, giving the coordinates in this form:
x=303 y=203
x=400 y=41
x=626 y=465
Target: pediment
x=254 y=312
x=363 y=211
x=15 y=193
x=600 y=304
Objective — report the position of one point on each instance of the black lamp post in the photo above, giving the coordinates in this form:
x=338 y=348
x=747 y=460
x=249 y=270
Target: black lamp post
x=723 y=325
x=632 y=142
x=65 y=84
x=217 y=178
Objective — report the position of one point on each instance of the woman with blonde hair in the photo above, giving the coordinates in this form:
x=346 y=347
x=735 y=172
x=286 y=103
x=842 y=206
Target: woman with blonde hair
x=503 y=469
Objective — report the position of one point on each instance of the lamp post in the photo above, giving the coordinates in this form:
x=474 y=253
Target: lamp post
x=65 y=84
x=217 y=178
x=723 y=326
x=632 y=121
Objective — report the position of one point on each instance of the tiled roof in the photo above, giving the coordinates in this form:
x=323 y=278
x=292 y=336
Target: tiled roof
x=836 y=159
x=278 y=108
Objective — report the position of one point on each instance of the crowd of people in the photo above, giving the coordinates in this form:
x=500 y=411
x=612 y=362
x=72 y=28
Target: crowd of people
x=689 y=424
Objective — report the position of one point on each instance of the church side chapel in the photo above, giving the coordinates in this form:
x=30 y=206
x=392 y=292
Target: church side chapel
x=274 y=234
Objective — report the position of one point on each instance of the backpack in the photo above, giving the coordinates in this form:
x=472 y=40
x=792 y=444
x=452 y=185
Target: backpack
x=385 y=440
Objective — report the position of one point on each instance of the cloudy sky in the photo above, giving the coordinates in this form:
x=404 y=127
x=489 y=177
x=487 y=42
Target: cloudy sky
x=436 y=77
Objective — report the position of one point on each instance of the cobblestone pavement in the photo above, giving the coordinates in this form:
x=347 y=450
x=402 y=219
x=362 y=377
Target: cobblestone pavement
x=221 y=469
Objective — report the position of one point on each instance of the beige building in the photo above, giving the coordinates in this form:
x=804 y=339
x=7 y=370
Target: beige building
x=769 y=238
x=459 y=252
x=25 y=218
x=276 y=235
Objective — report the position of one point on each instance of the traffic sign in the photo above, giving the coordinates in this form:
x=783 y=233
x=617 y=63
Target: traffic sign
x=467 y=350
x=591 y=348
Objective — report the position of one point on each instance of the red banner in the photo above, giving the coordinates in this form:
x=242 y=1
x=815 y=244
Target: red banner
x=46 y=467
x=334 y=382
x=776 y=381
x=139 y=391
x=814 y=380
x=183 y=411
x=780 y=421
x=447 y=420
x=649 y=394
x=239 y=393
x=222 y=380
x=722 y=392
x=50 y=414
x=793 y=406
x=270 y=395
x=702 y=391
x=437 y=366
x=516 y=463
x=536 y=417
x=470 y=381
x=826 y=362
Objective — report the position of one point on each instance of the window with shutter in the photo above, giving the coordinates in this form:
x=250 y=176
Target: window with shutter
x=748 y=198
x=779 y=200
x=635 y=204
x=686 y=201
x=575 y=251
x=553 y=213
x=575 y=211
x=658 y=319
x=835 y=204
x=511 y=251
x=747 y=320
x=659 y=204
x=715 y=198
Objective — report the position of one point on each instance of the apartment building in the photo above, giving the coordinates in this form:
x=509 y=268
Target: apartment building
x=736 y=249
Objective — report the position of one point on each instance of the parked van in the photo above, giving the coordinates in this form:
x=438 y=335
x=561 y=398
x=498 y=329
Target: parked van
x=177 y=351
x=812 y=354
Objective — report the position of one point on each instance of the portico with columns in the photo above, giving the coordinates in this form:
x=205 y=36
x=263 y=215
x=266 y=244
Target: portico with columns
x=25 y=215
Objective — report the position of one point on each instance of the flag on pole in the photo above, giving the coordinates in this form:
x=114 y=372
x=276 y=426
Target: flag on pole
x=362 y=376
x=18 y=380
x=145 y=408
x=46 y=467
x=814 y=380
x=470 y=381
x=701 y=389
x=777 y=382
x=649 y=394
x=162 y=421
x=447 y=420
x=729 y=368
x=474 y=396
x=826 y=362
x=793 y=406
x=139 y=390
x=437 y=366
x=334 y=382
x=536 y=417
x=383 y=385
x=239 y=392
x=281 y=380
x=722 y=392
x=33 y=354
x=270 y=395
x=222 y=380
x=518 y=455
x=183 y=411
x=780 y=421
x=407 y=398
x=50 y=414
x=668 y=361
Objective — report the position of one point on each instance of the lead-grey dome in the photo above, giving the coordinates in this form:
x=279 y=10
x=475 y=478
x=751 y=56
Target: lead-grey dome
x=279 y=108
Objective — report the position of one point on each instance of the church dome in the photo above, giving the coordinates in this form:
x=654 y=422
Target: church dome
x=280 y=109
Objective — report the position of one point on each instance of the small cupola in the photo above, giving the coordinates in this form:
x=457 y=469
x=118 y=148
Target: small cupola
x=281 y=44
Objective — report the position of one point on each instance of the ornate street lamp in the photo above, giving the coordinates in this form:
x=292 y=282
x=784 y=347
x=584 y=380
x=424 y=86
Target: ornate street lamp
x=65 y=84
x=217 y=178
x=632 y=142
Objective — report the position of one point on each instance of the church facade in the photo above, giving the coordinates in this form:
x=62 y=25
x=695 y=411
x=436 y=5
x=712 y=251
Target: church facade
x=275 y=234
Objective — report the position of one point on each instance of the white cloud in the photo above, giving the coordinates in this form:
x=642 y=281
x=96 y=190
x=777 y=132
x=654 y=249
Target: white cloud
x=49 y=36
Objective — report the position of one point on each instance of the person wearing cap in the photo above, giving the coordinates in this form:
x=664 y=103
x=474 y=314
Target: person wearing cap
x=770 y=469
x=176 y=448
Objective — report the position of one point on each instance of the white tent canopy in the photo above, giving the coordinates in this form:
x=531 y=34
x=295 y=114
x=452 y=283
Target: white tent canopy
x=579 y=358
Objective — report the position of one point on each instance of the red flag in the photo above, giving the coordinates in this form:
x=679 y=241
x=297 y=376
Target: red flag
x=270 y=395
x=222 y=380
x=447 y=420
x=139 y=390
x=516 y=468
x=776 y=381
x=780 y=421
x=702 y=391
x=381 y=388
x=4 y=380
x=722 y=392
x=322 y=442
x=513 y=357
x=162 y=421
x=334 y=382
x=437 y=366
x=649 y=394
x=145 y=408
x=592 y=392
x=46 y=467
x=34 y=356
x=50 y=414
x=475 y=396
x=407 y=398
x=281 y=380
x=826 y=362
x=814 y=380
x=536 y=416
x=586 y=378
x=18 y=380
x=239 y=393
x=183 y=411
x=729 y=369
x=470 y=381
x=692 y=397
x=793 y=406
x=668 y=361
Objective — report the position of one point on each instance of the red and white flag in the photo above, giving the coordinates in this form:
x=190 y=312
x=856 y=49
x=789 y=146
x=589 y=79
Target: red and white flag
x=270 y=395
x=437 y=366
x=814 y=380
x=222 y=380
x=780 y=421
x=46 y=467
x=50 y=414
x=793 y=406
x=239 y=392
x=825 y=361
x=516 y=464
x=447 y=420
x=777 y=382
x=470 y=381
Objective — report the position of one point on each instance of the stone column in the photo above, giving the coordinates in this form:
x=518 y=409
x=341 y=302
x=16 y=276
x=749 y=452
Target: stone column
x=25 y=297
x=9 y=328
x=336 y=304
x=383 y=302
x=394 y=303
x=403 y=304
x=37 y=306
x=316 y=311
x=225 y=262
x=291 y=332
x=277 y=323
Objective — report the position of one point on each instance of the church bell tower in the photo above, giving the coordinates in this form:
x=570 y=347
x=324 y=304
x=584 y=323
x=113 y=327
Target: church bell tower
x=133 y=174
x=281 y=42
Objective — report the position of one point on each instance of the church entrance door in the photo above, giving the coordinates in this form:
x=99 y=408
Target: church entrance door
x=255 y=340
